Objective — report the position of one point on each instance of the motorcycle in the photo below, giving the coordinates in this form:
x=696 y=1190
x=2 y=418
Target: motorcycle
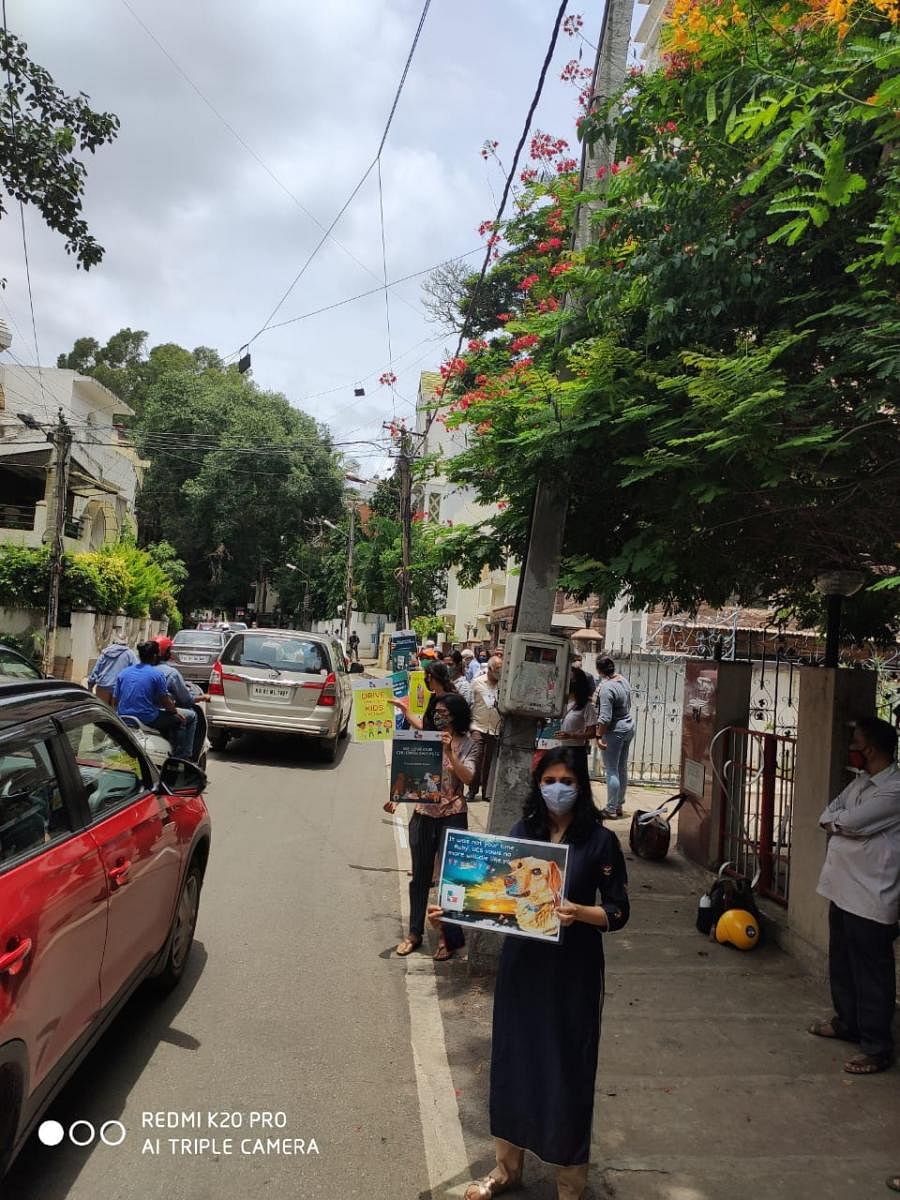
x=158 y=748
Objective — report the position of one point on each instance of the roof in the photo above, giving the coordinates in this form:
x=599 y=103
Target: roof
x=28 y=700
x=101 y=395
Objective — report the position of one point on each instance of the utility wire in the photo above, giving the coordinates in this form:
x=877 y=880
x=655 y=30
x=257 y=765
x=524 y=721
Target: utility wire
x=387 y=298
x=368 y=171
x=509 y=181
x=245 y=144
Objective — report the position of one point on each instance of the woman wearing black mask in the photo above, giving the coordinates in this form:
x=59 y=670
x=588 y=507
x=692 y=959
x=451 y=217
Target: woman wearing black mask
x=548 y=998
x=428 y=822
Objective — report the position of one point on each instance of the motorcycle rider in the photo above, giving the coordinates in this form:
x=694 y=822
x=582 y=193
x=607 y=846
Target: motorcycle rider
x=183 y=697
x=141 y=692
x=112 y=661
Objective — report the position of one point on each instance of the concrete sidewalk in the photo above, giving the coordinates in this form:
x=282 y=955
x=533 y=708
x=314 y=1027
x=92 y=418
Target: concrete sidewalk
x=709 y=1088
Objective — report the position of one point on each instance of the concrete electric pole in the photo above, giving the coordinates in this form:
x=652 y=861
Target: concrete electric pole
x=60 y=436
x=348 y=590
x=540 y=570
x=404 y=476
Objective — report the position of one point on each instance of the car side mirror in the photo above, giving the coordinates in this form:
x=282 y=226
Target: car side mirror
x=356 y=668
x=179 y=775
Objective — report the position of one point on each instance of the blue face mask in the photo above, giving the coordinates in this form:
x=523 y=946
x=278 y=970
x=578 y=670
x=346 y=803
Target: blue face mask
x=559 y=797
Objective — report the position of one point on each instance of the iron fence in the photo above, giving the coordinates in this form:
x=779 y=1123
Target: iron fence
x=657 y=696
x=757 y=784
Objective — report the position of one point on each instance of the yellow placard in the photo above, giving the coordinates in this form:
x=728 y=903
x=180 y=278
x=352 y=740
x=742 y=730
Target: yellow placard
x=373 y=715
x=418 y=693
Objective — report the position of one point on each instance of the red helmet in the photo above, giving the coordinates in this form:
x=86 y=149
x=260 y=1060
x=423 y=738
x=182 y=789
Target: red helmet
x=164 y=643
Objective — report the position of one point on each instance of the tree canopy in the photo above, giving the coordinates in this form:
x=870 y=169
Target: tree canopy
x=42 y=131
x=716 y=373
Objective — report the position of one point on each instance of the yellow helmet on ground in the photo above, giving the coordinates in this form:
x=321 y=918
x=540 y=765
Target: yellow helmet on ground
x=738 y=927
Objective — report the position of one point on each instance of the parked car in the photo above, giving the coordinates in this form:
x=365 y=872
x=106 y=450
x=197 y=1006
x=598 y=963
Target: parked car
x=280 y=681
x=194 y=653
x=102 y=860
x=16 y=666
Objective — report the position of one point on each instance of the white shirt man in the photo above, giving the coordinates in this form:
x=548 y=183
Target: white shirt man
x=485 y=723
x=861 y=879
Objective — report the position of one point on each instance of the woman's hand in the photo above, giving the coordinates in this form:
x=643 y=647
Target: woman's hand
x=447 y=740
x=401 y=704
x=567 y=912
x=601 y=742
x=434 y=913
x=390 y=806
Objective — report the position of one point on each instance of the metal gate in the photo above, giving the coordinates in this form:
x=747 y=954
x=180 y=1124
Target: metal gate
x=757 y=797
x=657 y=695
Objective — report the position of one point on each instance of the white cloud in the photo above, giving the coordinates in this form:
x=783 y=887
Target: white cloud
x=200 y=242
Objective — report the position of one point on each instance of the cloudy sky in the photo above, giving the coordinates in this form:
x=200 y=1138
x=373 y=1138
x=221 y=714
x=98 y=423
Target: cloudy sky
x=201 y=242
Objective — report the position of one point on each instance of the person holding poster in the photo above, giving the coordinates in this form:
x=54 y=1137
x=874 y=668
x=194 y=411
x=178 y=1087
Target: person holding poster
x=548 y=996
x=437 y=685
x=428 y=822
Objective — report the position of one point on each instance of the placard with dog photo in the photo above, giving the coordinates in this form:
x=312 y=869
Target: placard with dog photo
x=417 y=764
x=503 y=884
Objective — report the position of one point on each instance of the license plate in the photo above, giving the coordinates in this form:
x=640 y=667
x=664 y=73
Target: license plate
x=194 y=658
x=269 y=691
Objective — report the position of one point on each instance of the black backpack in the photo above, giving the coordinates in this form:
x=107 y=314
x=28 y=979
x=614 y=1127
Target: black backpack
x=727 y=891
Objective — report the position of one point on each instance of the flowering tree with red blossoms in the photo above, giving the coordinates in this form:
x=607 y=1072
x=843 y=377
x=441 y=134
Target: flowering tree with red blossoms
x=717 y=373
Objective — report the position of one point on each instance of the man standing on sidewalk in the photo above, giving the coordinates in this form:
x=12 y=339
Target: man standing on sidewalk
x=861 y=878
x=485 y=724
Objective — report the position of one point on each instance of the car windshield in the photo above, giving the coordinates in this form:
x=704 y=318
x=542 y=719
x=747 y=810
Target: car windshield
x=193 y=637
x=13 y=665
x=282 y=654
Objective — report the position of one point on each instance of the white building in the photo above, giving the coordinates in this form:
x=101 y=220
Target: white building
x=649 y=34
x=469 y=608
x=104 y=474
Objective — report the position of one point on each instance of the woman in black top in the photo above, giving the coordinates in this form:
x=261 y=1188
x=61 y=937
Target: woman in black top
x=438 y=683
x=548 y=997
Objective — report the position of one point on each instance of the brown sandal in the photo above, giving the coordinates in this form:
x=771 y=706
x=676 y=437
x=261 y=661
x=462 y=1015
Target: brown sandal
x=867 y=1064
x=409 y=943
x=443 y=952
x=826 y=1029
x=490 y=1186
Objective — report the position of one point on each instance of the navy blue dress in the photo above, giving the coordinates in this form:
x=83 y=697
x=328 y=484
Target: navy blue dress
x=547 y=1003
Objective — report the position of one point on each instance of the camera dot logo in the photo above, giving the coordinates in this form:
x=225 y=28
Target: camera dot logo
x=82 y=1133
x=51 y=1133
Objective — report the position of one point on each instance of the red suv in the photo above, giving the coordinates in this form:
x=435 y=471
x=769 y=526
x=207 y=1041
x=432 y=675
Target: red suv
x=101 y=863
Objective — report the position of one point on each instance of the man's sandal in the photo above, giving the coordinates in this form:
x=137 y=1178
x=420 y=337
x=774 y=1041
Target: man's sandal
x=826 y=1029
x=409 y=943
x=490 y=1186
x=893 y=1182
x=867 y=1064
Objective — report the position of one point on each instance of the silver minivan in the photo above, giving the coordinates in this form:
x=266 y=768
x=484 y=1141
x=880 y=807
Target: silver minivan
x=280 y=681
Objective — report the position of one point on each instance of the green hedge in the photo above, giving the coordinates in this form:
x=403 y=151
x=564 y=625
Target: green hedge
x=109 y=580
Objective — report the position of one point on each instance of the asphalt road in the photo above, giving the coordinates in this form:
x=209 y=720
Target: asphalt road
x=292 y=1005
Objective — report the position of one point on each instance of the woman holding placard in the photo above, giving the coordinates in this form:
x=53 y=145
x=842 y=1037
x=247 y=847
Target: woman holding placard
x=428 y=822
x=549 y=997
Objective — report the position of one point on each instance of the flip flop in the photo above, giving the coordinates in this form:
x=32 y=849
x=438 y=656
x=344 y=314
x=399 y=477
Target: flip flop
x=826 y=1029
x=867 y=1064
x=490 y=1186
x=893 y=1182
x=443 y=953
x=408 y=945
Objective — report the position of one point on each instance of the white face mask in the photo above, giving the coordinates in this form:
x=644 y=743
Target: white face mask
x=559 y=797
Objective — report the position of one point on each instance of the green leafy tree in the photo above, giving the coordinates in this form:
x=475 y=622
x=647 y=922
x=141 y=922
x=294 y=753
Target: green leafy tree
x=42 y=134
x=716 y=374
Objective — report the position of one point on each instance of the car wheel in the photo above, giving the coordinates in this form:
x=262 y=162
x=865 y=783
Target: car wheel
x=218 y=739
x=329 y=747
x=181 y=935
x=345 y=730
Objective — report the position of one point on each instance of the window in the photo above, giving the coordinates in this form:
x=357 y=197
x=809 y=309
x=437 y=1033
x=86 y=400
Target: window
x=32 y=809
x=16 y=667
x=111 y=773
x=280 y=653
x=192 y=638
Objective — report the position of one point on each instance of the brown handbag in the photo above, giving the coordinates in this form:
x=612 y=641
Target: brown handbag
x=650 y=832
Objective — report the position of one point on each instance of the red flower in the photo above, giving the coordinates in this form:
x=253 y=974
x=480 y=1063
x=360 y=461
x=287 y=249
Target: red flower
x=476 y=345
x=528 y=283
x=553 y=243
x=601 y=172
x=551 y=304
x=387 y=378
x=504 y=317
x=528 y=175
x=566 y=165
x=560 y=268
x=420 y=516
x=485 y=227
x=524 y=342
x=454 y=367
x=572 y=24
x=488 y=148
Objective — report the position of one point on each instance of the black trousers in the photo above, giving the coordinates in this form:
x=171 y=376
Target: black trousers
x=863 y=979
x=425 y=835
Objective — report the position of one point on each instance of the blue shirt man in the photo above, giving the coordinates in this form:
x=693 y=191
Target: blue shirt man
x=141 y=692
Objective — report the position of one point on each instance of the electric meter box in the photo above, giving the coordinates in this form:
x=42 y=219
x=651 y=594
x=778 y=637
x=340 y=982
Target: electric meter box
x=534 y=680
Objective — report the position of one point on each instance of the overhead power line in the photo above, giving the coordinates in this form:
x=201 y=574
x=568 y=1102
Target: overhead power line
x=548 y=58
x=195 y=87
x=353 y=194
